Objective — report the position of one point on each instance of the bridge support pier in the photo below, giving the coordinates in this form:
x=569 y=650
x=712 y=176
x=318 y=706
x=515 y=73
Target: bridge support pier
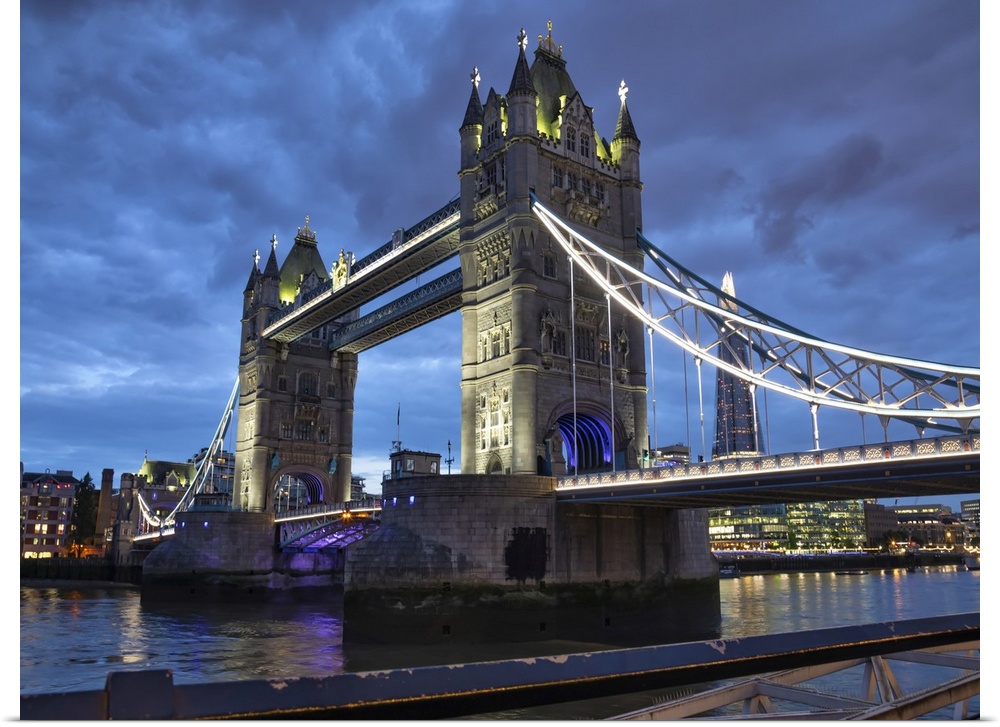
x=494 y=559
x=230 y=555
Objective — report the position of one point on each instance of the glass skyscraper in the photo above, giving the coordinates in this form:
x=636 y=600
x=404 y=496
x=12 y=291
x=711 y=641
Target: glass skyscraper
x=737 y=428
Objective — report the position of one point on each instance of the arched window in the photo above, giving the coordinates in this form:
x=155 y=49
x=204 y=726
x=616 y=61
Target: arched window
x=585 y=145
x=570 y=139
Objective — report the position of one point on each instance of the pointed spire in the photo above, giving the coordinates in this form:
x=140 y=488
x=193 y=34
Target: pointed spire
x=521 y=81
x=271 y=269
x=624 y=129
x=254 y=271
x=474 y=111
x=729 y=288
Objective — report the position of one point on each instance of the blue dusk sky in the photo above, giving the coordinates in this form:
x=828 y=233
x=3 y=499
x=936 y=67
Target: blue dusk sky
x=826 y=152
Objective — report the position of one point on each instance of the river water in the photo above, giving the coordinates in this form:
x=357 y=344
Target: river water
x=72 y=635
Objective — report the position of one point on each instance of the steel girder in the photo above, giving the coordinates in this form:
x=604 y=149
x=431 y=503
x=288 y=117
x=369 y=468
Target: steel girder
x=683 y=310
x=429 y=302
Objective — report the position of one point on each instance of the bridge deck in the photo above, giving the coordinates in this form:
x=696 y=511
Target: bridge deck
x=935 y=467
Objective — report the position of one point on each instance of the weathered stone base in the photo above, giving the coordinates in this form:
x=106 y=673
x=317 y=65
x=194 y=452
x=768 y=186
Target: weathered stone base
x=478 y=559
x=616 y=614
x=230 y=556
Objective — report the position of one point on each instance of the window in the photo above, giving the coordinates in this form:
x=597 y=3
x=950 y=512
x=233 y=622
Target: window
x=307 y=384
x=557 y=177
x=570 y=139
x=491 y=175
x=492 y=131
x=496 y=343
x=303 y=431
x=605 y=352
x=549 y=265
x=434 y=468
x=585 y=186
x=282 y=383
x=572 y=181
x=585 y=145
x=323 y=435
x=286 y=430
x=599 y=191
x=331 y=390
x=559 y=343
x=409 y=465
x=585 y=343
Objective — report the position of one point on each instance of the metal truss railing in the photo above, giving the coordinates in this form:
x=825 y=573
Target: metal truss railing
x=446 y=285
x=328 y=526
x=683 y=310
x=937 y=447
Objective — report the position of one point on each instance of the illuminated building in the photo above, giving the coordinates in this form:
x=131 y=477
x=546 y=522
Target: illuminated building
x=737 y=430
x=813 y=526
x=754 y=527
x=46 y=512
x=220 y=478
x=818 y=526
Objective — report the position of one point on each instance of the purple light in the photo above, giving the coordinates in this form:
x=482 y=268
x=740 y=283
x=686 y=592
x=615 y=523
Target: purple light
x=205 y=524
x=394 y=502
x=411 y=499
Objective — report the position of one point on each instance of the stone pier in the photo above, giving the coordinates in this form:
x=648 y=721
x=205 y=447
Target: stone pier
x=227 y=555
x=493 y=558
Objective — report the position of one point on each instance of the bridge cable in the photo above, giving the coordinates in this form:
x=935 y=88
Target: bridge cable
x=821 y=372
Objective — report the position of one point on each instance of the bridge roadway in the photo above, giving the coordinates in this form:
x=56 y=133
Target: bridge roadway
x=914 y=468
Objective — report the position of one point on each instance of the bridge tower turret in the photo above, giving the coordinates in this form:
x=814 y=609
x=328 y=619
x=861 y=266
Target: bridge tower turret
x=296 y=405
x=553 y=376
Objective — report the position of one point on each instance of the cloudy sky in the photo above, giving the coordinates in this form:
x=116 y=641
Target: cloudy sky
x=825 y=152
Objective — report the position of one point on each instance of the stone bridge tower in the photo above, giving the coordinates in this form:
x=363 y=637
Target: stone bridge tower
x=524 y=408
x=296 y=405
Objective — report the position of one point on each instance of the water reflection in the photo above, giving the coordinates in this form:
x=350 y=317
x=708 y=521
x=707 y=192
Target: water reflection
x=72 y=637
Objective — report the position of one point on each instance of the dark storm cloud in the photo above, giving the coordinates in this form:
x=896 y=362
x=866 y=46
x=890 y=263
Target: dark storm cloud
x=787 y=206
x=827 y=153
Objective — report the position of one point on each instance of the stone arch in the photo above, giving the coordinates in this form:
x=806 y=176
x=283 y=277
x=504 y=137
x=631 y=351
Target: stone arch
x=494 y=465
x=586 y=446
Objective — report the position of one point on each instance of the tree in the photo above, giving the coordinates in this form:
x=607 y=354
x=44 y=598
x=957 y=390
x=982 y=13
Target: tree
x=84 y=520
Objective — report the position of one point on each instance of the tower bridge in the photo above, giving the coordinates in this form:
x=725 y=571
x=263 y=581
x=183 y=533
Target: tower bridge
x=559 y=319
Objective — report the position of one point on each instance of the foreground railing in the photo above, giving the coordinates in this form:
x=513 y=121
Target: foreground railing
x=436 y=692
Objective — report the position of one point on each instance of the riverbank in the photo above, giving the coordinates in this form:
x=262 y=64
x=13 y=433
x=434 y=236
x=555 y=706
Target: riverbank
x=847 y=562
x=79 y=569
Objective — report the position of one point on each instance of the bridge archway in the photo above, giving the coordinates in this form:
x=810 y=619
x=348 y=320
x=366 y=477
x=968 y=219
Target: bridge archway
x=298 y=486
x=583 y=442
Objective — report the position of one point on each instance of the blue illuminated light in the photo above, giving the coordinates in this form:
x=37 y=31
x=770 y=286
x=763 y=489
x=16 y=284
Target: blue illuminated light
x=394 y=502
x=411 y=499
x=205 y=524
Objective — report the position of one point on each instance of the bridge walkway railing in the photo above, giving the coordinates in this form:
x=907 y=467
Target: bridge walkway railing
x=901 y=450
